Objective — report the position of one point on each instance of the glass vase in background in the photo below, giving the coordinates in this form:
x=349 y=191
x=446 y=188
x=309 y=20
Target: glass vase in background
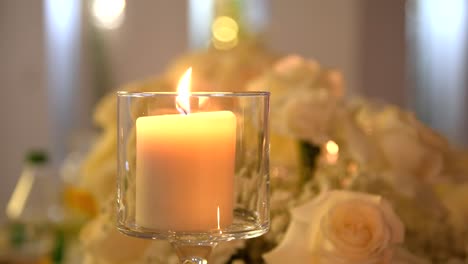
x=32 y=211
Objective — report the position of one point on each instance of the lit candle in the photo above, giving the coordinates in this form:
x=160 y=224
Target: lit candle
x=332 y=151
x=185 y=168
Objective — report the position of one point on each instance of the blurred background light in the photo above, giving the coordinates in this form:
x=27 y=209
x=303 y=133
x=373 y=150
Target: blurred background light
x=60 y=15
x=437 y=39
x=200 y=15
x=445 y=18
x=62 y=24
x=225 y=32
x=108 y=14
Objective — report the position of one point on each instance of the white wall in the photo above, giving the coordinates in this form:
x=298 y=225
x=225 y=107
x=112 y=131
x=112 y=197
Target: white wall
x=329 y=31
x=152 y=35
x=23 y=95
x=383 y=51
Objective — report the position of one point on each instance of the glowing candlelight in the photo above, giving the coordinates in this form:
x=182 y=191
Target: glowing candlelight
x=332 y=150
x=185 y=168
x=183 y=90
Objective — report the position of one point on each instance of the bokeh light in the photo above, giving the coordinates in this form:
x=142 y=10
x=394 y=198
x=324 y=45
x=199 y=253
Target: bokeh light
x=108 y=14
x=225 y=31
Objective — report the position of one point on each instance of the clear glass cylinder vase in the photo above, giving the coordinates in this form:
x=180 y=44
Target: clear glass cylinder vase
x=197 y=176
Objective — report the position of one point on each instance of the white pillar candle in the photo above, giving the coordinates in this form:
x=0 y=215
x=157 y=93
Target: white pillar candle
x=185 y=171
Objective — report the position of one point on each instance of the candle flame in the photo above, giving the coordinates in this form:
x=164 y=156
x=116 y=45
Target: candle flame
x=183 y=90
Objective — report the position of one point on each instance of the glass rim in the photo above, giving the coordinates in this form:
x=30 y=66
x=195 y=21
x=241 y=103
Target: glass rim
x=194 y=94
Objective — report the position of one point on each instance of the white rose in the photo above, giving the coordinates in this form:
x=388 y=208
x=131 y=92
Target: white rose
x=391 y=130
x=100 y=239
x=303 y=97
x=340 y=227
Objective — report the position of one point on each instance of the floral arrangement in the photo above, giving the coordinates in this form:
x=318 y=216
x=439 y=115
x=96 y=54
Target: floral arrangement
x=352 y=180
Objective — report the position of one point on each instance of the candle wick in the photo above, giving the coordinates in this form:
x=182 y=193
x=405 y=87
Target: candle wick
x=181 y=109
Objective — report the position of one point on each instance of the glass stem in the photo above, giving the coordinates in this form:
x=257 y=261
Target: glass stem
x=193 y=253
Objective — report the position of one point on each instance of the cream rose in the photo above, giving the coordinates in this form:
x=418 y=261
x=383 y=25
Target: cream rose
x=304 y=97
x=340 y=227
x=391 y=130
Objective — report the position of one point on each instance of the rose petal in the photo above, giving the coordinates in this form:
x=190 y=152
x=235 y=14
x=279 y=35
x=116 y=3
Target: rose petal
x=360 y=217
x=291 y=247
x=394 y=222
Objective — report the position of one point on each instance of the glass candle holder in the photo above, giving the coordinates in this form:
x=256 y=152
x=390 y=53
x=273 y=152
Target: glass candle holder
x=193 y=176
